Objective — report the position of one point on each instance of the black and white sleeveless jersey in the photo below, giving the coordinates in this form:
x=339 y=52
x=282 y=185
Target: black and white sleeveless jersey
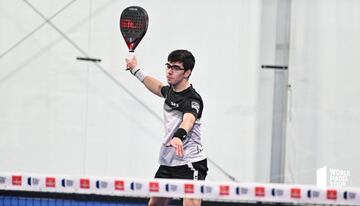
x=175 y=106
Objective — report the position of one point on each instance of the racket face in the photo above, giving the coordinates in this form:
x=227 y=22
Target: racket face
x=134 y=22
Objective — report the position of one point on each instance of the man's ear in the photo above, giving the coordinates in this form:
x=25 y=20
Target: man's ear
x=187 y=73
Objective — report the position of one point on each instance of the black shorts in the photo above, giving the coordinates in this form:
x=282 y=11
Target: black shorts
x=193 y=171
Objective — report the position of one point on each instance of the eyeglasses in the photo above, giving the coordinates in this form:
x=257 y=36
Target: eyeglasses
x=173 y=67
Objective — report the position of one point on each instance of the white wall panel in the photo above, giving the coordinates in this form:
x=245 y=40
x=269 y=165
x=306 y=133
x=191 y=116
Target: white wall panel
x=324 y=125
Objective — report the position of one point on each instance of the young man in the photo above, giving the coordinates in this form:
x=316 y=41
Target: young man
x=181 y=154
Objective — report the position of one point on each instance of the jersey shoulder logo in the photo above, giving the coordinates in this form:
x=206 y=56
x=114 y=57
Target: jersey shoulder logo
x=196 y=106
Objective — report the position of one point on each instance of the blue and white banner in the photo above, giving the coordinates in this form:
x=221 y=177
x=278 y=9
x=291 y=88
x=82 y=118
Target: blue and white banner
x=206 y=190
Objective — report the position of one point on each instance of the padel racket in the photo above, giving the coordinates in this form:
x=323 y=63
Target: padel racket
x=134 y=22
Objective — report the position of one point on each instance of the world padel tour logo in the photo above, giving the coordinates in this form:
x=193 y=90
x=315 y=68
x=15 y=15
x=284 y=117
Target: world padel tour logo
x=331 y=177
x=339 y=177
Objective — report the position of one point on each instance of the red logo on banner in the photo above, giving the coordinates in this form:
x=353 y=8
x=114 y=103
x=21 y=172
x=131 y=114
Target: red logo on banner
x=153 y=186
x=189 y=188
x=16 y=180
x=331 y=194
x=84 y=183
x=119 y=185
x=295 y=193
x=50 y=182
x=259 y=191
x=224 y=190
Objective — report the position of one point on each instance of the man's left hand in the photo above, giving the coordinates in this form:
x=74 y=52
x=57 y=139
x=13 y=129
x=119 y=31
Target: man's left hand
x=178 y=145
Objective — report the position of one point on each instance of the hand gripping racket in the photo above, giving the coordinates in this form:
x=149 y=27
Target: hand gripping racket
x=134 y=22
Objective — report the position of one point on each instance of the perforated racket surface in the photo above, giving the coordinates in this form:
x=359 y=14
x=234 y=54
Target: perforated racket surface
x=134 y=22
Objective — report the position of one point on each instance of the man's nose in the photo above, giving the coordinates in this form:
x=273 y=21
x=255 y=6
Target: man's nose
x=170 y=71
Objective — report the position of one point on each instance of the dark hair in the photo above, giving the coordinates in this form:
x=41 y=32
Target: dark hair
x=183 y=56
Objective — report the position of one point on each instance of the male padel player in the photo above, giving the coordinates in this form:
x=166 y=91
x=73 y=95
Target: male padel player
x=181 y=154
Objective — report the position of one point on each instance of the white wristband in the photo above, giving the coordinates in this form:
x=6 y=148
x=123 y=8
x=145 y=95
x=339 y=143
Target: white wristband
x=140 y=75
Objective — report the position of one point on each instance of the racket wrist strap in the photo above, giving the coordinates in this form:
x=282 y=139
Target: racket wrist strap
x=138 y=73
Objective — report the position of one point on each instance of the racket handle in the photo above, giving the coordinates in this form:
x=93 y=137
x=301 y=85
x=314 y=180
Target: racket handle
x=130 y=56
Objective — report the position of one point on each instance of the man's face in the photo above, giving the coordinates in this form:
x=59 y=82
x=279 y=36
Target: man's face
x=175 y=72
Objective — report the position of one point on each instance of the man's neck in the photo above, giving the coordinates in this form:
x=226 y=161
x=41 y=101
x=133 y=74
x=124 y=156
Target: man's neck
x=182 y=86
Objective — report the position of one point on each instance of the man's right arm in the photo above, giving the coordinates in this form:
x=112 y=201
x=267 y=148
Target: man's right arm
x=151 y=83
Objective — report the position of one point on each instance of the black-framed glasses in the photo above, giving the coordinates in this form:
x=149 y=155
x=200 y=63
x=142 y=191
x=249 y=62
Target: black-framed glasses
x=173 y=67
